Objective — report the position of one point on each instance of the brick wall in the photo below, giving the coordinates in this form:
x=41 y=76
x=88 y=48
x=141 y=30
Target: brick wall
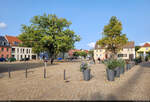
x=5 y=53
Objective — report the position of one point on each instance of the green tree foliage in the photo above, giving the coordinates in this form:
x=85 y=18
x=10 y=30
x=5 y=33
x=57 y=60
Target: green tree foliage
x=113 y=39
x=137 y=48
x=83 y=54
x=76 y=54
x=49 y=33
x=80 y=53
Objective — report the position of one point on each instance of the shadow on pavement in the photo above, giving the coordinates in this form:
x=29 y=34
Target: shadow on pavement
x=123 y=91
x=99 y=96
x=21 y=66
x=145 y=64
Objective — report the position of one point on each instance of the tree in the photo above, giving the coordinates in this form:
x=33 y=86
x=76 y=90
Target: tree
x=137 y=48
x=113 y=39
x=48 y=33
x=83 y=54
x=68 y=41
x=76 y=54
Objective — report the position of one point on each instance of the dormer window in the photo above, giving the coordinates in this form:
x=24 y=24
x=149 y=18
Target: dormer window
x=16 y=43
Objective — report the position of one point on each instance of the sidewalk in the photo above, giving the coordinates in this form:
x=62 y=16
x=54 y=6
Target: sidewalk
x=133 y=85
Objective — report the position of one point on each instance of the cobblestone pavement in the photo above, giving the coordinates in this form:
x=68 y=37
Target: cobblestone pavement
x=132 y=85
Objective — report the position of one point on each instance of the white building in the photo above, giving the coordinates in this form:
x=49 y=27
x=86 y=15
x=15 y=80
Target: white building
x=127 y=52
x=20 y=52
x=23 y=52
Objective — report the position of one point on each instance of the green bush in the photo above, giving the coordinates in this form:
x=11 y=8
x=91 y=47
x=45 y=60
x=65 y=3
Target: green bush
x=12 y=59
x=121 y=63
x=111 y=64
x=83 y=66
x=138 y=60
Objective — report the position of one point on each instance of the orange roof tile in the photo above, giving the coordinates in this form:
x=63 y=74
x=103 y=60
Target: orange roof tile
x=146 y=45
x=12 y=39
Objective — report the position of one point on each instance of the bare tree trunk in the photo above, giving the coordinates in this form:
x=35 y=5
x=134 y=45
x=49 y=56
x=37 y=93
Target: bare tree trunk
x=63 y=55
x=52 y=60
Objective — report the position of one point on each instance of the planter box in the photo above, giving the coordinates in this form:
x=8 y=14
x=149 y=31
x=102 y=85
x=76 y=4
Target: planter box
x=82 y=70
x=86 y=74
x=110 y=74
x=128 y=66
x=117 y=72
x=122 y=70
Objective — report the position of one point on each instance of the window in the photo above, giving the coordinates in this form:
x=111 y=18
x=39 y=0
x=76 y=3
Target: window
x=21 y=56
x=16 y=43
x=17 y=50
x=23 y=50
x=2 y=56
x=7 y=49
x=20 y=50
x=146 y=48
x=13 y=50
x=2 y=49
x=120 y=55
x=27 y=50
x=7 y=56
x=124 y=55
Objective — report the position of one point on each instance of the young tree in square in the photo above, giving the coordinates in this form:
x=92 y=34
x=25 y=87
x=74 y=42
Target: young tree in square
x=113 y=39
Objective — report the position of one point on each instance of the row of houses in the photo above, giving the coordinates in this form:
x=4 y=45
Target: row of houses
x=144 y=50
x=9 y=47
x=127 y=52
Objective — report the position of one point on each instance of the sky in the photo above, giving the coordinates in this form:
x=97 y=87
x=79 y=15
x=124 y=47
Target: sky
x=88 y=17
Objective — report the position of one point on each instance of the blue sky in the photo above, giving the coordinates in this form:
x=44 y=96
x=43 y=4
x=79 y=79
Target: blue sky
x=88 y=17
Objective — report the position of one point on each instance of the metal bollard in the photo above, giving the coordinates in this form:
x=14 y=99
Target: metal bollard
x=64 y=74
x=45 y=69
x=26 y=73
x=9 y=73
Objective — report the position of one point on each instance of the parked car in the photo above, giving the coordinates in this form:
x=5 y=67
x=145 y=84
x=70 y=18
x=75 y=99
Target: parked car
x=25 y=59
x=2 y=59
x=12 y=59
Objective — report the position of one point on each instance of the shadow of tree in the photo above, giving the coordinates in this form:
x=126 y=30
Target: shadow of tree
x=99 y=96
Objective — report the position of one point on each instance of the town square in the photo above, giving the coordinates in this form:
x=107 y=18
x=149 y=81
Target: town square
x=74 y=50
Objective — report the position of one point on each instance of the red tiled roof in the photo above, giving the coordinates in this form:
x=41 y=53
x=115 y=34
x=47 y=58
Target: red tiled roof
x=12 y=39
x=146 y=45
x=74 y=50
x=129 y=44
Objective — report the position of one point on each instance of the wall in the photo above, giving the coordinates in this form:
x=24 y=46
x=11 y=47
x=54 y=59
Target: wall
x=5 y=52
x=19 y=53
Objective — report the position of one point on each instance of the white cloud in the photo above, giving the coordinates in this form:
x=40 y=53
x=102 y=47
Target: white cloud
x=91 y=44
x=141 y=44
x=2 y=25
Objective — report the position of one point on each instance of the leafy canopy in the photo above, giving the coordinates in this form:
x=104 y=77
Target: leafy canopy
x=48 y=33
x=113 y=39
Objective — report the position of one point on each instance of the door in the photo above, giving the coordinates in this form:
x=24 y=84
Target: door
x=131 y=57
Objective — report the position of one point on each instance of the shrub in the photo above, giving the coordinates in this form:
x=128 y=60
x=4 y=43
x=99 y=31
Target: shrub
x=121 y=63
x=138 y=60
x=84 y=66
x=146 y=58
x=111 y=64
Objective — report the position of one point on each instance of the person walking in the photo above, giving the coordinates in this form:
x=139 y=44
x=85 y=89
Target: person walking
x=99 y=60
